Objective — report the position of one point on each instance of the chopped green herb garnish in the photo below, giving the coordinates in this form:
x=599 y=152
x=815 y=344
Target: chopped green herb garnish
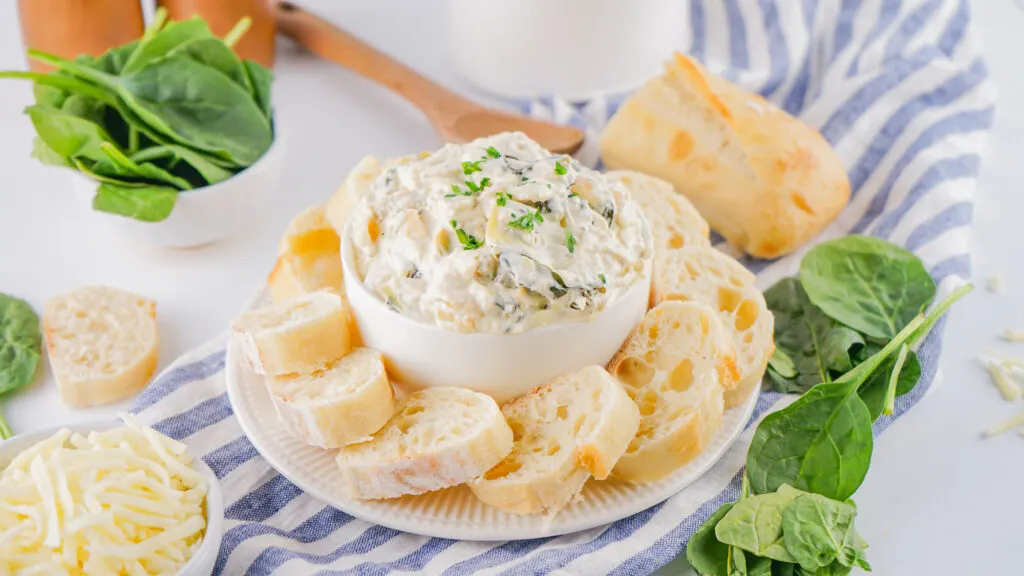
x=471 y=167
x=456 y=191
x=524 y=179
x=603 y=280
x=468 y=241
x=570 y=241
x=503 y=197
x=493 y=152
x=574 y=195
x=559 y=169
x=527 y=221
x=474 y=187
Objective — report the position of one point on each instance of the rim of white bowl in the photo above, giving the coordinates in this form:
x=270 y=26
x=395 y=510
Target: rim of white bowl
x=214 y=494
x=349 y=271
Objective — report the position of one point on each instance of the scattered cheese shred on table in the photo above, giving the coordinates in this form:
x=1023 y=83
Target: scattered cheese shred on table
x=122 y=501
x=1008 y=424
x=1003 y=370
x=1012 y=335
x=996 y=284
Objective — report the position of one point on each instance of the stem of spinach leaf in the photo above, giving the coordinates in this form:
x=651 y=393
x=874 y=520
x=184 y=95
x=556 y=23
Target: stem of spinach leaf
x=894 y=376
x=65 y=83
x=133 y=140
x=236 y=33
x=5 y=429
x=159 y=17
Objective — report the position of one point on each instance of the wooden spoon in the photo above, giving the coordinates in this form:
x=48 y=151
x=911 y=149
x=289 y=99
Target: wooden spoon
x=453 y=117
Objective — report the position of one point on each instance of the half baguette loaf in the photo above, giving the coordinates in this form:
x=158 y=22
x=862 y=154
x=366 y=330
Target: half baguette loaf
x=102 y=344
x=297 y=336
x=309 y=257
x=675 y=223
x=344 y=403
x=565 y=431
x=438 y=437
x=672 y=366
x=763 y=179
x=708 y=276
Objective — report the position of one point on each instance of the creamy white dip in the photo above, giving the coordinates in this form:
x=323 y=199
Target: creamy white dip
x=497 y=236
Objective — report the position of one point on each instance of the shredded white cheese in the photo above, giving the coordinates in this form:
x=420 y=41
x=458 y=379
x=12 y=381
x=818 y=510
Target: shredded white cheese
x=1006 y=372
x=996 y=284
x=123 y=501
x=1008 y=424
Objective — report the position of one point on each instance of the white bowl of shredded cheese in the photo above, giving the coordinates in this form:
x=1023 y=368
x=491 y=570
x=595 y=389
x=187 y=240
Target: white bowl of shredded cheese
x=139 y=503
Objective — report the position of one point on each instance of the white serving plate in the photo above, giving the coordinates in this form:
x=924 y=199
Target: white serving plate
x=455 y=512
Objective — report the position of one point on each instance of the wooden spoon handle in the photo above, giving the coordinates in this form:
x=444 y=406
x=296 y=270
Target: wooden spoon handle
x=332 y=43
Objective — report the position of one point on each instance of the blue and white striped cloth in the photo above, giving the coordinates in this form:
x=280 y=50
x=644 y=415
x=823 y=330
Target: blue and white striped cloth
x=896 y=86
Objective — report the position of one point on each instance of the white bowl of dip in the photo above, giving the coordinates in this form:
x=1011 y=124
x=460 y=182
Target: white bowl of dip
x=502 y=366
x=205 y=557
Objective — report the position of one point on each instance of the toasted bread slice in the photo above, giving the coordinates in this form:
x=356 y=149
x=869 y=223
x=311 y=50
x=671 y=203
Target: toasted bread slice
x=102 y=344
x=297 y=336
x=713 y=278
x=675 y=223
x=672 y=366
x=345 y=403
x=565 y=431
x=438 y=437
x=309 y=257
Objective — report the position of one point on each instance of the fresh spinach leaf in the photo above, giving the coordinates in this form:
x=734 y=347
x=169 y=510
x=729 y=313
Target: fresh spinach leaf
x=47 y=155
x=85 y=108
x=20 y=346
x=873 y=390
x=783 y=569
x=871 y=285
x=755 y=524
x=47 y=95
x=66 y=134
x=816 y=529
x=818 y=346
x=214 y=53
x=782 y=364
x=163 y=42
x=210 y=172
x=148 y=204
x=187 y=102
x=117 y=165
x=704 y=552
x=261 y=79
x=113 y=61
x=20 y=343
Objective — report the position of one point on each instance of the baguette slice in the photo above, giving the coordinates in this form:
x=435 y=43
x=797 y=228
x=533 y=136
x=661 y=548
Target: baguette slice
x=343 y=404
x=438 y=437
x=675 y=223
x=102 y=344
x=296 y=336
x=708 y=276
x=309 y=257
x=340 y=205
x=672 y=366
x=565 y=431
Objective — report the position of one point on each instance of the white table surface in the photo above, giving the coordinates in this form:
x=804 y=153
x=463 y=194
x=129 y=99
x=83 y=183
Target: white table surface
x=938 y=499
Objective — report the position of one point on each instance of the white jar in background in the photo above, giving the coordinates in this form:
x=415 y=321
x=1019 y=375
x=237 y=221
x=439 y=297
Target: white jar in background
x=571 y=49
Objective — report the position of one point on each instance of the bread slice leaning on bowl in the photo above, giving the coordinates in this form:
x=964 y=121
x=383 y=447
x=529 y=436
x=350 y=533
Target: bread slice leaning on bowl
x=308 y=257
x=344 y=403
x=674 y=366
x=437 y=437
x=566 y=431
x=708 y=276
x=102 y=343
x=674 y=222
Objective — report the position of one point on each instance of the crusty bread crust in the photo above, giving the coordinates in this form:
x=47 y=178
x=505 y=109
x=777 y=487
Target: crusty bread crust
x=763 y=179
x=438 y=437
x=344 y=403
x=705 y=275
x=565 y=431
x=671 y=366
x=102 y=344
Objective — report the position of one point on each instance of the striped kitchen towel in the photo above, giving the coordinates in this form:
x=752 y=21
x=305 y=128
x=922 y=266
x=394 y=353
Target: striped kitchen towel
x=897 y=87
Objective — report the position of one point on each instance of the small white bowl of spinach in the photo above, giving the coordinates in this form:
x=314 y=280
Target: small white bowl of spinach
x=171 y=136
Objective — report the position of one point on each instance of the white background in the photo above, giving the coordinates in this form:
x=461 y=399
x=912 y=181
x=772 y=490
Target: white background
x=938 y=499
